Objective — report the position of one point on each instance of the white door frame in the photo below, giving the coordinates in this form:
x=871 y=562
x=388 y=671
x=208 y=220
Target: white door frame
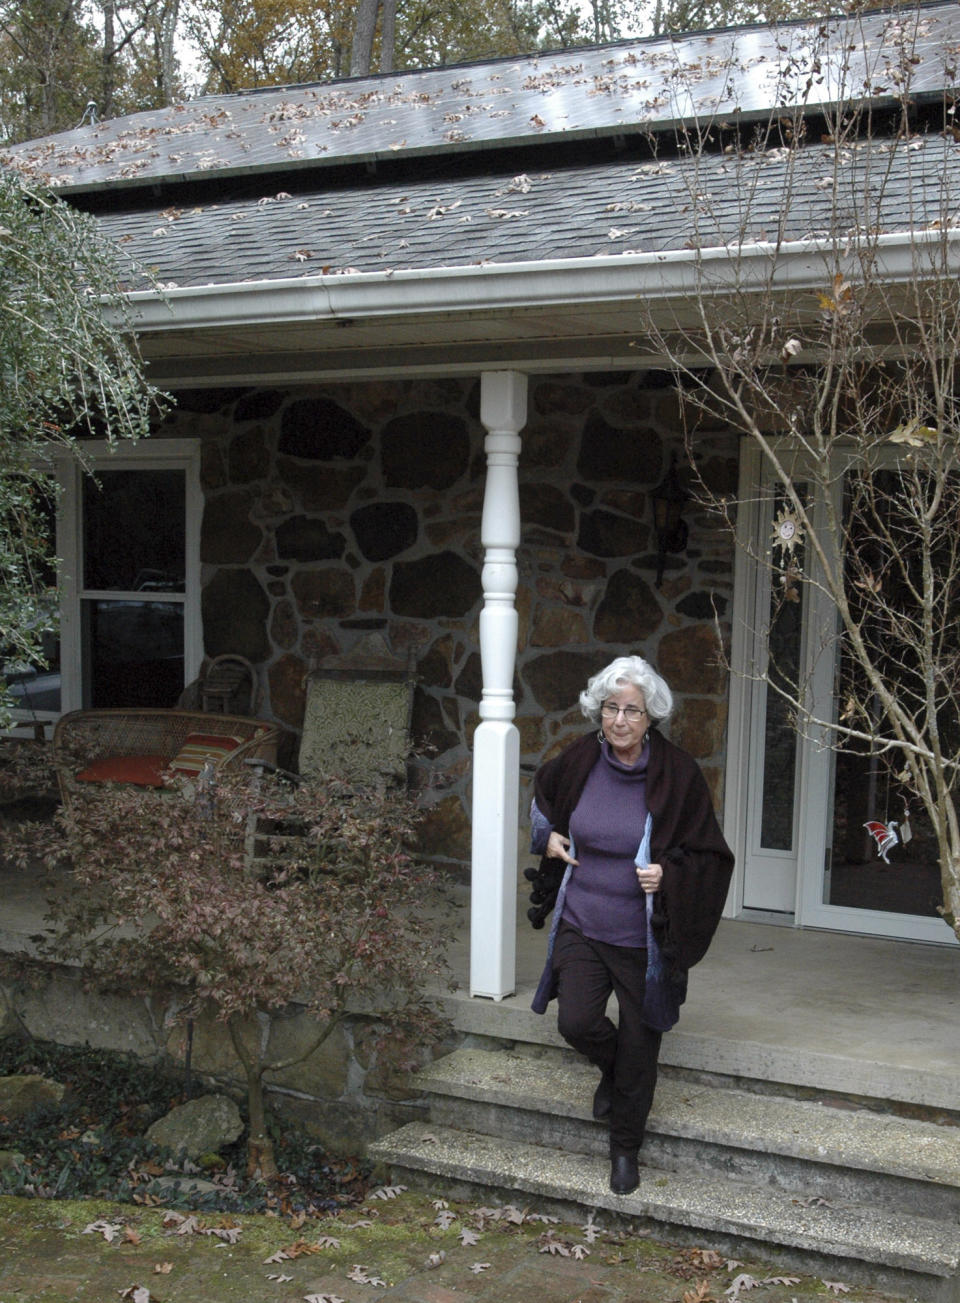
x=815 y=760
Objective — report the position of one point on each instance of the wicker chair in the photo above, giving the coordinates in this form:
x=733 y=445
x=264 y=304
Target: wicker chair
x=142 y=741
x=229 y=684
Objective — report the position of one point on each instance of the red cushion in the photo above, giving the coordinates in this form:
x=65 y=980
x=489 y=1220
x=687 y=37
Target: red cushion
x=144 y=771
x=198 y=747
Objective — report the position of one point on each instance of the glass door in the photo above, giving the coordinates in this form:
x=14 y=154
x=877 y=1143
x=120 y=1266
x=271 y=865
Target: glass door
x=882 y=854
x=878 y=871
x=822 y=834
x=770 y=878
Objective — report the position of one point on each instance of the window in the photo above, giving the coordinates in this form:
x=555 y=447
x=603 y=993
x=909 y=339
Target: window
x=128 y=540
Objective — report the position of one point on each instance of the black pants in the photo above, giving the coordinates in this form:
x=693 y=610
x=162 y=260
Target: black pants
x=587 y=972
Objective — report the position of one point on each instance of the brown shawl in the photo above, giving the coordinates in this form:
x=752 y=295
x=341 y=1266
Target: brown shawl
x=686 y=841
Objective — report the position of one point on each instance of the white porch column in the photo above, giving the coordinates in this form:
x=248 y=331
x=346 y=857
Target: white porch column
x=496 y=743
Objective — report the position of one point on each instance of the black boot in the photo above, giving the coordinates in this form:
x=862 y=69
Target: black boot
x=624 y=1171
x=603 y=1097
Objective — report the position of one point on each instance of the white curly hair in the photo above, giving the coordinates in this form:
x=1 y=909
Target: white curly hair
x=628 y=669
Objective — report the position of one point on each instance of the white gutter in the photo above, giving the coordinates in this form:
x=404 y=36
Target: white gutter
x=674 y=274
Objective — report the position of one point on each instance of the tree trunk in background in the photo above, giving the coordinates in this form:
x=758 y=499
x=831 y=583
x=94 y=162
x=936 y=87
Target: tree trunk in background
x=107 y=78
x=166 y=54
x=388 y=34
x=49 y=70
x=361 y=51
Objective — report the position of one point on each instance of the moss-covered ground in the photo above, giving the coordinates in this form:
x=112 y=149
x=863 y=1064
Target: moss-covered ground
x=396 y=1245
x=85 y=1217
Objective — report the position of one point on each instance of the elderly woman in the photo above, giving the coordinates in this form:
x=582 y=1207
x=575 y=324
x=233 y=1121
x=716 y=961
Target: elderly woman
x=589 y=817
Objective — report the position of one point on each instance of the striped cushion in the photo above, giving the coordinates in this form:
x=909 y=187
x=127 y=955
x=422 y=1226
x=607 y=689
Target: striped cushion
x=199 y=747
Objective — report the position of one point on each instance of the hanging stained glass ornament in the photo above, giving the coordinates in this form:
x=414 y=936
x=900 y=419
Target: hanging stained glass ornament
x=885 y=835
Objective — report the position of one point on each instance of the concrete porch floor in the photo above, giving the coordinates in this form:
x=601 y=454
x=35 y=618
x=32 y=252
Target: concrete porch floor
x=831 y=1011
x=828 y=1010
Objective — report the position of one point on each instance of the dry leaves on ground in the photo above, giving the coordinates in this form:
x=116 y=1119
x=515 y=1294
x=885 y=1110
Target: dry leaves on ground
x=177 y=1224
x=745 y=1282
x=360 y=1274
x=552 y=1244
x=109 y=1230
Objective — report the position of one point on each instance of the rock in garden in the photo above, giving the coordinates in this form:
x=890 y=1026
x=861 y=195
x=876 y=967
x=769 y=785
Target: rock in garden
x=24 y=1092
x=197 y=1127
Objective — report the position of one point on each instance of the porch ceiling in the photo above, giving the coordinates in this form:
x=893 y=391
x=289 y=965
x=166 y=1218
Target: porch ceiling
x=445 y=343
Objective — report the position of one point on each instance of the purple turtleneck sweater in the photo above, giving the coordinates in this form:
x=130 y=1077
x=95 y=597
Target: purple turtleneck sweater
x=604 y=900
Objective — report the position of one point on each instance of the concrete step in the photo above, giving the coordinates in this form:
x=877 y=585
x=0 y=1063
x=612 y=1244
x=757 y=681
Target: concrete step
x=833 y=1152
x=897 y=1253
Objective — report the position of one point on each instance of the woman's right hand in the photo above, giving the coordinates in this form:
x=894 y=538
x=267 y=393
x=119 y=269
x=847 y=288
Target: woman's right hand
x=558 y=848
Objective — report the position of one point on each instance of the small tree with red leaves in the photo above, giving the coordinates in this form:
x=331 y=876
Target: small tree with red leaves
x=160 y=894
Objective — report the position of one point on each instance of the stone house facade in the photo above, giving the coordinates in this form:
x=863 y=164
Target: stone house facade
x=415 y=327
x=333 y=512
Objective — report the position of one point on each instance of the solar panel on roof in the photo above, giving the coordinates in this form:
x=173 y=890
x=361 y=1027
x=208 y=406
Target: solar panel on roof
x=647 y=85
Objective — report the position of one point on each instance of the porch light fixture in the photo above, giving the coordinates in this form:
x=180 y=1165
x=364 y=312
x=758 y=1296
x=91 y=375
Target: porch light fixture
x=669 y=500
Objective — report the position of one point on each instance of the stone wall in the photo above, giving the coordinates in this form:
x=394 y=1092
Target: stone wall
x=338 y=511
x=341 y=1094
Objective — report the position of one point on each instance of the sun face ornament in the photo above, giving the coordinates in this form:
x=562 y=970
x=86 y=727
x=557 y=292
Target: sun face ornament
x=787 y=533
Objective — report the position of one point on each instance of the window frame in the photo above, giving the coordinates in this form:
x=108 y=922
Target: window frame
x=160 y=454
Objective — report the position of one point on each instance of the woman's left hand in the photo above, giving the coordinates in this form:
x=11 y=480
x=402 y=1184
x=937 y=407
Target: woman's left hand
x=650 y=878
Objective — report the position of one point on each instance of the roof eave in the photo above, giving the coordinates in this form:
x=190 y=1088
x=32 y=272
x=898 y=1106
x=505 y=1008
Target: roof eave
x=671 y=275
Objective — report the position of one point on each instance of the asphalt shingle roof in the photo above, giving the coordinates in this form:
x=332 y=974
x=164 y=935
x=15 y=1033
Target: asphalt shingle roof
x=568 y=212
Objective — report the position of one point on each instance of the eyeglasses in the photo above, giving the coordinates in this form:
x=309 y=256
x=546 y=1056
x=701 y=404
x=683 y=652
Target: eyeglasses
x=610 y=710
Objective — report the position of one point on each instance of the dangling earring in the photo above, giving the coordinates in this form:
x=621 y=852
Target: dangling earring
x=600 y=737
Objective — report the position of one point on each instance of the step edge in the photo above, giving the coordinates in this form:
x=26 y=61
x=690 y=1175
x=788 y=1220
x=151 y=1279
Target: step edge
x=564 y=1058
x=700 y=1051
x=757 y=1142
x=836 y=1151
x=411 y=1146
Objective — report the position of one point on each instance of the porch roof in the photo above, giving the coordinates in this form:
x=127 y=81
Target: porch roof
x=569 y=313
x=614 y=207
